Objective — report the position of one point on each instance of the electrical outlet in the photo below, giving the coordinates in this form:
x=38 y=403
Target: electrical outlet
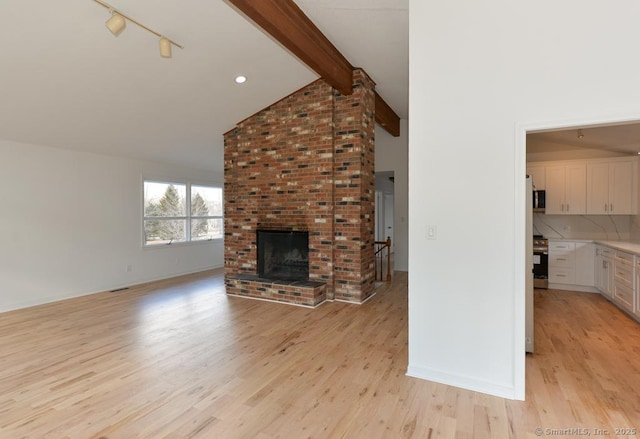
x=432 y=232
x=128 y=268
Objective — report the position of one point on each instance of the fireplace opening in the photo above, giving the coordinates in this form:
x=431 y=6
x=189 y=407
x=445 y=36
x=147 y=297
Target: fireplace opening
x=283 y=255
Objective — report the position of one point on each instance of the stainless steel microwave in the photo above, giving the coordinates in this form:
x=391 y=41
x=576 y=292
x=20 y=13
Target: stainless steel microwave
x=539 y=201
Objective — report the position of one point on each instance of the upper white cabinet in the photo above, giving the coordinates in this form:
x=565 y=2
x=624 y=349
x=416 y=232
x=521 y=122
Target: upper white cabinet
x=611 y=188
x=566 y=189
x=537 y=174
x=592 y=186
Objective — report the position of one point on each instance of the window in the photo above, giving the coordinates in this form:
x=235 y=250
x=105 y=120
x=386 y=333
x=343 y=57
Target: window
x=181 y=212
x=206 y=213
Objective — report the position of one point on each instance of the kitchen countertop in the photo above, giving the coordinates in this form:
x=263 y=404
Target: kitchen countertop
x=625 y=246
x=630 y=247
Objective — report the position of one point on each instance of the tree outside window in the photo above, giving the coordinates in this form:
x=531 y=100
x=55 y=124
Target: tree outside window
x=167 y=219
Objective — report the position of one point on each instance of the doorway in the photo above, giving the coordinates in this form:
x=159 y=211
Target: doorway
x=384 y=208
x=584 y=140
x=384 y=224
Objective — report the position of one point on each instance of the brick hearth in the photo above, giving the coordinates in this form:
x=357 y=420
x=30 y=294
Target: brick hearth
x=306 y=163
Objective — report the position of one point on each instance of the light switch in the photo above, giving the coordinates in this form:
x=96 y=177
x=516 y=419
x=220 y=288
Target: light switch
x=432 y=232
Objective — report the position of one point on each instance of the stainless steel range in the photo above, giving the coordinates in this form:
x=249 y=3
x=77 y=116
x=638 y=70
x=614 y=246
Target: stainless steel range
x=540 y=262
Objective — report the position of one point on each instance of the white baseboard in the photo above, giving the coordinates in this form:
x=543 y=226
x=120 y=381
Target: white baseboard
x=464 y=382
x=51 y=299
x=579 y=288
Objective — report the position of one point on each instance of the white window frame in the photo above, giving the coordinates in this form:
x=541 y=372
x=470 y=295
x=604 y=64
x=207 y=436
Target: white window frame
x=188 y=218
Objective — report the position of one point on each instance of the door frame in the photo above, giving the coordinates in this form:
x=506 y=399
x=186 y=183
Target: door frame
x=521 y=130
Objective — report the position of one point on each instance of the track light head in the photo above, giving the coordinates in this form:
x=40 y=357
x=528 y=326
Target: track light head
x=165 y=48
x=116 y=23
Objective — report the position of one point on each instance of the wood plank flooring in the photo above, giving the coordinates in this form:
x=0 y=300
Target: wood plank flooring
x=180 y=359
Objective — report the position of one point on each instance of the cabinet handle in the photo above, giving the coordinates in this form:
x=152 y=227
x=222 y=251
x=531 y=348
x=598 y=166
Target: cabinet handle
x=611 y=210
x=605 y=207
x=562 y=207
x=567 y=207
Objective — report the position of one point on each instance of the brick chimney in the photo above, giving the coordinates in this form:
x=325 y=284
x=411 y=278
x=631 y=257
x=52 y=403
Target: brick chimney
x=306 y=163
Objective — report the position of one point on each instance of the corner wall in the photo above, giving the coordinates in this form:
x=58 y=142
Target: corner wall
x=72 y=222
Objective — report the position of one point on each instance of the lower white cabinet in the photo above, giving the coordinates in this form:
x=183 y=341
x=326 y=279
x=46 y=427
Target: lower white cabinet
x=623 y=280
x=571 y=263
x=636 y=303
x=604 y=270
x=574 y=265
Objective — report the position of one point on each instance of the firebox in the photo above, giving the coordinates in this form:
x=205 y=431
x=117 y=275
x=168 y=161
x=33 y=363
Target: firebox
x=283 y=255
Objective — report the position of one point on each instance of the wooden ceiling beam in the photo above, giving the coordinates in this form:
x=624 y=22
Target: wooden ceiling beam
x=386 y=117
x=285 y=21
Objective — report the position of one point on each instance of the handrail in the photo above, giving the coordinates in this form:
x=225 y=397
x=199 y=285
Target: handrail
x=385 y=245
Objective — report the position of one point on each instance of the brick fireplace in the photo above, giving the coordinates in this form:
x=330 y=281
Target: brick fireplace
x=304 y=164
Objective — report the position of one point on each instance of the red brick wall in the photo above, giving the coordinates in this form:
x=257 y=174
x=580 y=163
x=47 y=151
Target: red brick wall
x=306 y=163
x=354 y=193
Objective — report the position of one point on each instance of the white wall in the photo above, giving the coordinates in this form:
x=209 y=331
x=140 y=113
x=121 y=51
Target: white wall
x=480 y=74
x=392 y=155
x=71 y=223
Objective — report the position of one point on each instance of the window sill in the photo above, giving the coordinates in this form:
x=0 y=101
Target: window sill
x=183 y=244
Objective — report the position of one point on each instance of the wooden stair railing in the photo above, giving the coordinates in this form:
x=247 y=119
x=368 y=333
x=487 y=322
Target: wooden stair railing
x=379 y=247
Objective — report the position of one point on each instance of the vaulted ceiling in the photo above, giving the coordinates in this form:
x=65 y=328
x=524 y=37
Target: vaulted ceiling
x=67 y=82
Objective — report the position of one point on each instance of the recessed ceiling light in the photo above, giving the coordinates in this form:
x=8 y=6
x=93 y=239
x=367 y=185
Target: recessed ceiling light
x=240 y=79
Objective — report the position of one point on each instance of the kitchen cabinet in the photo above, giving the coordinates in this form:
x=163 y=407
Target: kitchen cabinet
x=562 y=262
x=571 y=263
x=597 y=269
x=604 y=270
x=566 y=189
x=611 y=188
x=636 y=302
x=624 y=278
x=537 y=174
x=615 y=268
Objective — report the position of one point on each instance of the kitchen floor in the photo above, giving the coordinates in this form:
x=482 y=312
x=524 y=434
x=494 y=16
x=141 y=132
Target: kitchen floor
x=586 y=368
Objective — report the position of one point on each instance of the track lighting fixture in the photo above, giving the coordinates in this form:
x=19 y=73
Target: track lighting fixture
x=118 y=22
x=165 y=48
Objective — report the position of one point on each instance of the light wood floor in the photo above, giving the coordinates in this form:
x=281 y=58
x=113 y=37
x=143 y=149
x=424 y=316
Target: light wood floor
x=179 y=359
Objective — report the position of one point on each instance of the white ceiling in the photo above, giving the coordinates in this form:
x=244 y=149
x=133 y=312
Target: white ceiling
x=66 y=81
x=622 y=138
